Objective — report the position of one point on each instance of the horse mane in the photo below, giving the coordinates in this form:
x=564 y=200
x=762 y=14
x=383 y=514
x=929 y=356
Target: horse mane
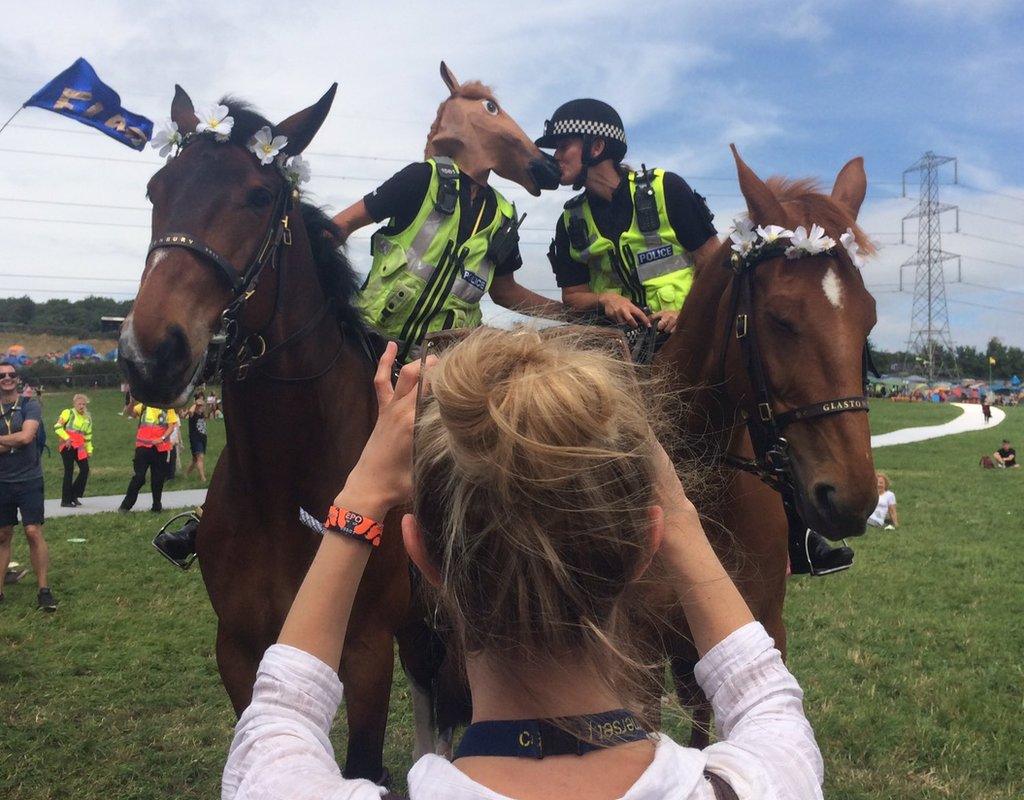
x=472 y=90
x=337 y=278
x=806 y=200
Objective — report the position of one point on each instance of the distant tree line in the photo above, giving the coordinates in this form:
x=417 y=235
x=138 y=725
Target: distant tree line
x=80 y=318
x=973 y=363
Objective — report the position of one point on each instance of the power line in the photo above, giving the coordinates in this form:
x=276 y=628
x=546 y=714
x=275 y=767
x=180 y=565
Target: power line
x=990 y=216
x=988 y=239
x=997 y=263
x=989 y=191
x=991 y=288
x=990 y=308
x=22 y=291
x=75 y=205
x=68 y=277
x=76 y=222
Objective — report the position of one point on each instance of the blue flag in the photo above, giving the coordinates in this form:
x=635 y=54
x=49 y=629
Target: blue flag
x=79 y=93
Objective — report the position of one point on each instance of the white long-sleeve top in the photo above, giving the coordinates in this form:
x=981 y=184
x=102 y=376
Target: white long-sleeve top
x=281 y=747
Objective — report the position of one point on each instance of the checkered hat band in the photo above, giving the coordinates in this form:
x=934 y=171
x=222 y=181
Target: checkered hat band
x=586 y=126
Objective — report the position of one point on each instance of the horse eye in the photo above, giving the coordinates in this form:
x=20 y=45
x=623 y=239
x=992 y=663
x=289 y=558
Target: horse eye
x=260 y=197
x=491 y=107
x=783 y=325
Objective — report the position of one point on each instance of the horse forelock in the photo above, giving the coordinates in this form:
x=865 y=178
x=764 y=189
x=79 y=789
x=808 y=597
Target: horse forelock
x=472 y=90
x=247 y=119
x=805 y=200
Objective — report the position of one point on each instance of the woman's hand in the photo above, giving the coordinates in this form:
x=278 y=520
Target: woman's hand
x=682 y=523
x=382 y=478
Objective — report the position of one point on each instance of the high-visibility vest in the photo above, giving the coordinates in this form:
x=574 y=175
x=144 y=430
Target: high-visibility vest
x=420 y=281
x=153 y=426
x=74 y=430
x=647 y=264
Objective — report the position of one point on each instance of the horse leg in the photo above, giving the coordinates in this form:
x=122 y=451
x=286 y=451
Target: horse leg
x=237 y=664
x=366 y=670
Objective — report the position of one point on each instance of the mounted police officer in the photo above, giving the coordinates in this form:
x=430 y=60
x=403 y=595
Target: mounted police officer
x=450 y=237
x=626 y=246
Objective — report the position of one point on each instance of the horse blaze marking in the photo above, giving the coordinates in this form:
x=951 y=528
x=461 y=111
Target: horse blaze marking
x=833 y=288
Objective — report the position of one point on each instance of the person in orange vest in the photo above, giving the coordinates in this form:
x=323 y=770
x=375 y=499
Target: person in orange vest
x=152 y=452
x=74 y=429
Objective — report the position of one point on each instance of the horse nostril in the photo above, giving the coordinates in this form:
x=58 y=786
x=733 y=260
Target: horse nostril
x=824 y=496
x=545 y=172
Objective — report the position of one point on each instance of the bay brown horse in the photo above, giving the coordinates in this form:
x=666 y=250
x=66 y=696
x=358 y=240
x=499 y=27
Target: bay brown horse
x=297 y=396
x=812 y=316
x=235 y=251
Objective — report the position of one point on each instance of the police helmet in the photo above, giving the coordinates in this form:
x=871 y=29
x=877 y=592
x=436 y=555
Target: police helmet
x=590 y=119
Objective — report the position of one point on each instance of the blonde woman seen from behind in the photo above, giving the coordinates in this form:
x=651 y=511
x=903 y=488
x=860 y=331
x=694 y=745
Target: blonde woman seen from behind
x=540 y=497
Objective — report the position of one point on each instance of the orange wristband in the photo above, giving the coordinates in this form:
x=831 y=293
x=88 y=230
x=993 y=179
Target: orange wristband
x=348 y=523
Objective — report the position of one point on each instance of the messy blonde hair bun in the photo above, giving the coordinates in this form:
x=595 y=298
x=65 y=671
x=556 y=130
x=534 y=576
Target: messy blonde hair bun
x=533 y=476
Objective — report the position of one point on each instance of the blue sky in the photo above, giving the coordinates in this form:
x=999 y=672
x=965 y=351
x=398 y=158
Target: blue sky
x=800 y=87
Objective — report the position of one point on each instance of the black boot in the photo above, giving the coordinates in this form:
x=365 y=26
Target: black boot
x=812 y=554
x=179 y=547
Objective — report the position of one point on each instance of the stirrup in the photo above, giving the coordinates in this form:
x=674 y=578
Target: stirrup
x=190 y=516
x=817 y=572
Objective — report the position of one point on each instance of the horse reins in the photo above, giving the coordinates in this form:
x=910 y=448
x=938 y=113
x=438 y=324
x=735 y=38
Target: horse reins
x=238 y=351
x=772 y=462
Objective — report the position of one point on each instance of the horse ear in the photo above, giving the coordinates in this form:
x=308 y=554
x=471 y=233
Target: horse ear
x=300 y=128
x=183 y=112
x=851 y=185
x=763 y=206
x=450 y=80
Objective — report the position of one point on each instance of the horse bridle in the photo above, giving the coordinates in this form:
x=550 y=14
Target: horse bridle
x=772 y=462
x=238 y=350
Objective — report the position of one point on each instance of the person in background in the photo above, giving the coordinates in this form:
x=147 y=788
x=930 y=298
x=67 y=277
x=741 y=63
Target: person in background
x=152 y=453
x=126 y=390
x=884 y=515
x=212 y=407
x=196 y=415
x=533 y=527
x=21 y=481
x=1005 y=456
x=74 y=429
x=986 y=410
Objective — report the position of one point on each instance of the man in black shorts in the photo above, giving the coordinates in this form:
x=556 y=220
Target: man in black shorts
x=1006 y=456
x=21 y=480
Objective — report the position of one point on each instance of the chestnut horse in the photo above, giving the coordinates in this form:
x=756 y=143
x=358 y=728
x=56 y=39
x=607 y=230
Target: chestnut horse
x=234 y=251
x=807 y=320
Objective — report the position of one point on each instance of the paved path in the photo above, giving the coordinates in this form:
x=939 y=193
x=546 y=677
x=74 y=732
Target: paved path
x=186 y=498
x=970 y=420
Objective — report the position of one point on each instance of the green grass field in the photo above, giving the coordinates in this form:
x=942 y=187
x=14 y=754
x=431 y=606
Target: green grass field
x=912 y=662
x=114 y=445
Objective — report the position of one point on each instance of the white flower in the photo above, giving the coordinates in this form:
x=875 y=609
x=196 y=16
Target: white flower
x=773 y=232
x=849 y=241
x=215 y=118
x=295 y=168
x=810 y=244
x=743 y=236
x=266 y=146
x=166 y=137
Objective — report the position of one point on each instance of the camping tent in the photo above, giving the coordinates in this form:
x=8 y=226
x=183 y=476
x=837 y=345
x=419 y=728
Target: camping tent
x=81 y=350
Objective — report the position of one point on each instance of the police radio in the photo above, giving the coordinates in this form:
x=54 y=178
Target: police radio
x=645 y=202
x=505 y=239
